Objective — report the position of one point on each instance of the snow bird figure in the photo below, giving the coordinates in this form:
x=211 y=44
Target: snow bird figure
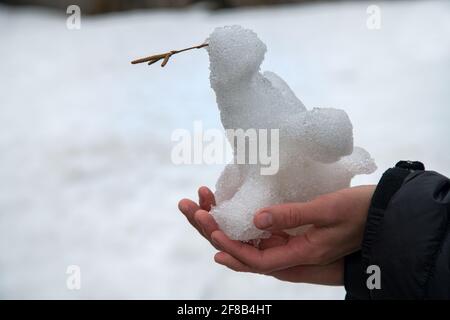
x=315 y=147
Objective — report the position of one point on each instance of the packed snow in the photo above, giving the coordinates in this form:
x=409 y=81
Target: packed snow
x=86 y=176
x=310 y=143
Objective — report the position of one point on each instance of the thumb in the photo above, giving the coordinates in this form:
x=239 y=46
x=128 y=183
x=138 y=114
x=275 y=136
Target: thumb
x=318 y=212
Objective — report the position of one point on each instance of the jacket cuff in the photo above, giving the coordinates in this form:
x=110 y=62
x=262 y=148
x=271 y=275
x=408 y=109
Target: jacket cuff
x=356 y=264
x=389 y=184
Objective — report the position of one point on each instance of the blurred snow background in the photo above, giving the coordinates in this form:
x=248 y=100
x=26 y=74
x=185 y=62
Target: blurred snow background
x=85 y=170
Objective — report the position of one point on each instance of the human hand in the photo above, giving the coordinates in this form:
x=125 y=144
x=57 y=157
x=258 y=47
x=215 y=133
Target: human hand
x=199 y=217
x=336 y=226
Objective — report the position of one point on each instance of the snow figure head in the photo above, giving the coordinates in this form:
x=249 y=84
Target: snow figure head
x=235 y=53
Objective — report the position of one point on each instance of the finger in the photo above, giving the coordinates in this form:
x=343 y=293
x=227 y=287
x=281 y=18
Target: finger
x=320 y=212
x=188 y=208
x=331 y=274
x=206 y=222
x=296 y=251
x=227 y=260
x=206 y=198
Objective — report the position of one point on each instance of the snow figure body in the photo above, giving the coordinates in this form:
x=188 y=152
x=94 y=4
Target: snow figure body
x=316 y=153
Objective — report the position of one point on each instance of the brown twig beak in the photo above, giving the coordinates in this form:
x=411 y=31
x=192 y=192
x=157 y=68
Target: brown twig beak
x=165 y=56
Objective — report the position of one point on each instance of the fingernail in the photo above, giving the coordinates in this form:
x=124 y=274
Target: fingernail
x=263 y=220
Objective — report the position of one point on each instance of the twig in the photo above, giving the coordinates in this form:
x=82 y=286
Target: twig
x=165 y=56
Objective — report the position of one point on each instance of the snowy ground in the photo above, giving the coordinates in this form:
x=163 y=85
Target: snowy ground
x=85 y=170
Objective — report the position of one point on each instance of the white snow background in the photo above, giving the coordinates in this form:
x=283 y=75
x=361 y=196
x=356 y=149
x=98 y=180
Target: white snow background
x=85 y=170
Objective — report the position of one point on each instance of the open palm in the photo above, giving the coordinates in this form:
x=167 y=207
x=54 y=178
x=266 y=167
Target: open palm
x=198 y=215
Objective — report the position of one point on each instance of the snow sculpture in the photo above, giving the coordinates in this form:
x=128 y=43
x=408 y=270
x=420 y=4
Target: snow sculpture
x=316 y=153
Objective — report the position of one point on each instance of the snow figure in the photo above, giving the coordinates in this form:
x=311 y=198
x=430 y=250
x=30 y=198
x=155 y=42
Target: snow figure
x=316 y=153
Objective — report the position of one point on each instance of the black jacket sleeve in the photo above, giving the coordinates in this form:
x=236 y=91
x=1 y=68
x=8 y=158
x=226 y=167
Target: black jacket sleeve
x=407 y=236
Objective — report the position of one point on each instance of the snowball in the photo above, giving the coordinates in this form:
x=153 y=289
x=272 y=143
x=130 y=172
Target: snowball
x=316 y=153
